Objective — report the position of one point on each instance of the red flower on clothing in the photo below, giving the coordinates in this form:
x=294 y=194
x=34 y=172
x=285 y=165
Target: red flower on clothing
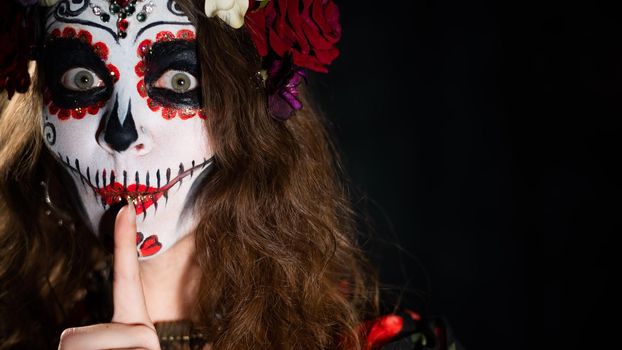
x=308 y=31
x=382 y=330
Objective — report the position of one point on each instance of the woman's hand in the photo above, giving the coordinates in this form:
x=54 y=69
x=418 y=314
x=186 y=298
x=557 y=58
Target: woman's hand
x=131 y=326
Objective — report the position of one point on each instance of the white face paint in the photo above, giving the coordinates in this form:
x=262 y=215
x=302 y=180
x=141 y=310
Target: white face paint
x=121 y=112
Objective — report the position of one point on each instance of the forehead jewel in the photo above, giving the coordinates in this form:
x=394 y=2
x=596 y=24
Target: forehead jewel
x=121 y=12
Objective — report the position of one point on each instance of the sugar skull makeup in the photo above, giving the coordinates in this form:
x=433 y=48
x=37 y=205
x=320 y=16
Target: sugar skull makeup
x=122 y=111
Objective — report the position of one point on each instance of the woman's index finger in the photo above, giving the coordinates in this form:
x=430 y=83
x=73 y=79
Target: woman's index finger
x=127 y=289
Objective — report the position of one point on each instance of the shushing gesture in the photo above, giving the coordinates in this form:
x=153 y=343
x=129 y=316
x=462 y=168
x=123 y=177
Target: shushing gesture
x=131 y=327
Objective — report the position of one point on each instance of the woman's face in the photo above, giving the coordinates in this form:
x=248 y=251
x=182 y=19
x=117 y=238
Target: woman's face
x=121 y=111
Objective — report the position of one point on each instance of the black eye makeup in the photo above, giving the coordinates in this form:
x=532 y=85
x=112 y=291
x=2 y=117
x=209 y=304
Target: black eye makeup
x=74 y=74
x=171 y=74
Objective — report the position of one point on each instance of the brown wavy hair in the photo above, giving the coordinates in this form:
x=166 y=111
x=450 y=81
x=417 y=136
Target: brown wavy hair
x=276 y=221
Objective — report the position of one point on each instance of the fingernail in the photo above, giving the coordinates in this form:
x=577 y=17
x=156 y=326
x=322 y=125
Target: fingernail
x=132 y=210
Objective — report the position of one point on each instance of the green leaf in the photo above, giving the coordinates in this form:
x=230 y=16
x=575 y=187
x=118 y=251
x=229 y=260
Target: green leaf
x=262 y=4
x=416 y=338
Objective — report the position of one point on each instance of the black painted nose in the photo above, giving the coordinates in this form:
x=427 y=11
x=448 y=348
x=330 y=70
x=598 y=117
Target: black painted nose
x=118 y=136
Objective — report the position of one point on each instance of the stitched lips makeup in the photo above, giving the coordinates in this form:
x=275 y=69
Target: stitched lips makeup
x=122 y=114
x=145 y=189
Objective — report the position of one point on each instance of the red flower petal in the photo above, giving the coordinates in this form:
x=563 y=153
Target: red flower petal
x=310 y=62
x=326 y=17
x=279 y=45
x=414 y=315
x=326 y=57
x=307 y=29
x=383 y=329
x=297 y=35
x=333 y=30
x=256 y=24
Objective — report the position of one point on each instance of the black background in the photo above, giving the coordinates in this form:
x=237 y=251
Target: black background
x=485 y=139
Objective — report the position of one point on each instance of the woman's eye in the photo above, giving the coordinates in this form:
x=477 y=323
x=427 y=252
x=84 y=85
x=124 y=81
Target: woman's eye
x=81 y=79
x=177 y=81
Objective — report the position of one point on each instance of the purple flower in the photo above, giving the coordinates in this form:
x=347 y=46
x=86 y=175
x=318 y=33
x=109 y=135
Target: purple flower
x=282 y=88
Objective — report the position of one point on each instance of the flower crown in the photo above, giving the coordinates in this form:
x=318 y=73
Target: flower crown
x=291 y=36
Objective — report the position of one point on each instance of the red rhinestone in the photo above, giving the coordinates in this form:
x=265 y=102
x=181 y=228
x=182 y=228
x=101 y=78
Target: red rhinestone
x=169 y=113
x=64 y=114
x=165 y=36
x=101 y=50
x=123 y=24
x=143 y=48
x=187 y=113
x=114 y=72
x=185 y=34
x=142 y=90
x=139 y=69
x=69 y=32
x=93 y=109
x=85 y=36
x=122 y=3
x=78 y=113
x=153 y=105
x=53 y=109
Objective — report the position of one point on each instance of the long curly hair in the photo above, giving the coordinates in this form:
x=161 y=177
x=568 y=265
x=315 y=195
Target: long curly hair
x=276 y=240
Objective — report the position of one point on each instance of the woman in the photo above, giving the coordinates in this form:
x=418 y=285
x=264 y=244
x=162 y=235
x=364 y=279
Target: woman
x=175 y=137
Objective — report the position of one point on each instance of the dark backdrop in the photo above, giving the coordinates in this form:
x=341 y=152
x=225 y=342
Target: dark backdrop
x=484 y=140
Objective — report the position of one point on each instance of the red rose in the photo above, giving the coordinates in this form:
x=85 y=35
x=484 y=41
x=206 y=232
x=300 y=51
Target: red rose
x=308 y=32
x=15 y=41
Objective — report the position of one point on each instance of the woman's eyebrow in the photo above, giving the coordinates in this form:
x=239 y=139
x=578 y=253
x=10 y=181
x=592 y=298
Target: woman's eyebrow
x=178 y=54
x=83 y=23
x=159 y=23
x=80 y=51
x=171 y=48
x=55 y=58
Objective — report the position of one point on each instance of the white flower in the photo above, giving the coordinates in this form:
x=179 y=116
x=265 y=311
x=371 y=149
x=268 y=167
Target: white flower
x=230 y=11
x=48 y=2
